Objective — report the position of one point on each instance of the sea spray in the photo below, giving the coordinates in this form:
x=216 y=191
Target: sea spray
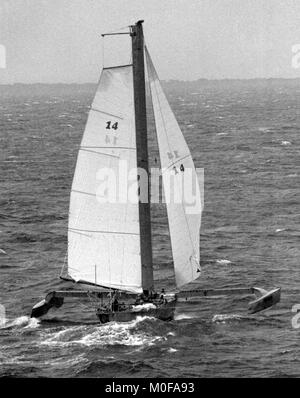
x=103 y=335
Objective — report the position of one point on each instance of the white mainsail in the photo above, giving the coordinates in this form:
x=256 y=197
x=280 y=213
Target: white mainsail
x=178 y=171
x=104 y=235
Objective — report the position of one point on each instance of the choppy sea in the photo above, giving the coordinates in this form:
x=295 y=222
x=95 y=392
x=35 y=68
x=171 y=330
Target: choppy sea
x=245 y=134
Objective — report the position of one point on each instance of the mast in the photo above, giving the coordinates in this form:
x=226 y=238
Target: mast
x=142 y=151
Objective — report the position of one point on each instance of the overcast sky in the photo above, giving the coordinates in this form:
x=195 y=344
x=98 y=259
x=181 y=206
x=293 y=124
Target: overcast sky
x=59 y=40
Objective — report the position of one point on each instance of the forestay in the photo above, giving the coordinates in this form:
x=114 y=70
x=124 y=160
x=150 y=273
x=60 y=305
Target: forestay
x=103 y=233
x=179 y=181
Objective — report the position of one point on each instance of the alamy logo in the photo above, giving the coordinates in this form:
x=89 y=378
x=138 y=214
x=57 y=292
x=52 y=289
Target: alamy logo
x=181 y=186
x=2 y=56
x=296 y=57
x=296 y=318
x=2 y=315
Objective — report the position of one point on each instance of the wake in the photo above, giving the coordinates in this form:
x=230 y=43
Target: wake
x=110 y=334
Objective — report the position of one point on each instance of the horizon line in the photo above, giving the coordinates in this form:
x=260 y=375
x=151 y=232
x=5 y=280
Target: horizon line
x=162 y=80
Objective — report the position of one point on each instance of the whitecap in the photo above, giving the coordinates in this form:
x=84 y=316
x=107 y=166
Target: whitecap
x=172 y=350
x=286 y=143
x=16 y=360
x=22 y=321
x=264 y=129
x=103 y=335
x=33 y=323
x=226 y=317
x=171 y=334
x=223 y=262
x=64 y=334
x=179 y=317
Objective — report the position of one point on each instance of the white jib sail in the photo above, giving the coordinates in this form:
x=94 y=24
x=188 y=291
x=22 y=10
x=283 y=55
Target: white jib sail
x=103 y=233
x=179 y=178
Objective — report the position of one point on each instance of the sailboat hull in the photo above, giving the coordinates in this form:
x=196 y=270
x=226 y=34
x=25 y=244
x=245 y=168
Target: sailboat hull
x=164 y=312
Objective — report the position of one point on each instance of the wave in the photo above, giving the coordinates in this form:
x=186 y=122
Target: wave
x=172 y=350
x=42 y=218
x=225 y=229
x=171 y=334
x=264 y=129
x=223 y=318
x=292 y=175
x=110 y=334
x=33 y=238
x=179 y=317
x=63 y=362
x=223 y=262
x=109 y=367
x=23 y=238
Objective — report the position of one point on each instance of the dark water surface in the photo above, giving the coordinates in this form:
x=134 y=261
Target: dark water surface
x=246 y=137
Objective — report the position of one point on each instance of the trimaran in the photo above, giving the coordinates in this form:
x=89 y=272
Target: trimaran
x=109 y=244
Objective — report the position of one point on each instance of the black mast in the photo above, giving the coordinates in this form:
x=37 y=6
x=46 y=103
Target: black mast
x=142 y=151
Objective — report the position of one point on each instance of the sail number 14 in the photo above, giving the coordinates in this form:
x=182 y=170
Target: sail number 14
x=109 y=125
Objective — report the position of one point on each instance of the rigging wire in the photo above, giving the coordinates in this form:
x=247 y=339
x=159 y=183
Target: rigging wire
x=64 y=263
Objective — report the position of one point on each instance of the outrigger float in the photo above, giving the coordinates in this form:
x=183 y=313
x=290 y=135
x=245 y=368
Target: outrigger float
x=109 y=242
